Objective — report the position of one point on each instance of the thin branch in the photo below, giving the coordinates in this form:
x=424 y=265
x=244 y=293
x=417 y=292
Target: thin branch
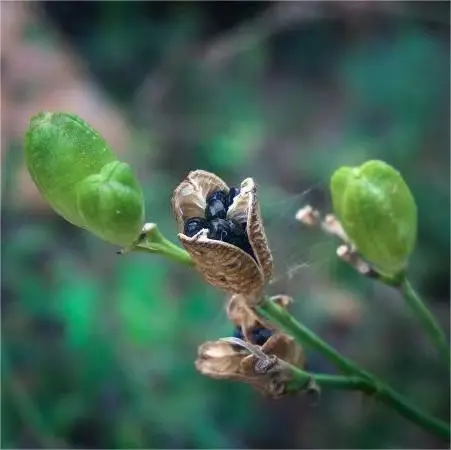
x=361 y=379
x=427 y=320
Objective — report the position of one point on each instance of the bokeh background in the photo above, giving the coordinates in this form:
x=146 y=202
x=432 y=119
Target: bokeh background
x=98 y=350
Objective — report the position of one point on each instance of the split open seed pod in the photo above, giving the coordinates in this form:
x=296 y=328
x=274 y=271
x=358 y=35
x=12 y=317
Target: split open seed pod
x=222 y=264
x=223 y=360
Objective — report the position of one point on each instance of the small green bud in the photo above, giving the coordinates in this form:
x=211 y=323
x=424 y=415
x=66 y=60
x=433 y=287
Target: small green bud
x=78 y=174
x=378 y=213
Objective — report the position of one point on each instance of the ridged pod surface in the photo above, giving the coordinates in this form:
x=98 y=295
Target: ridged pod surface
x=222 y=264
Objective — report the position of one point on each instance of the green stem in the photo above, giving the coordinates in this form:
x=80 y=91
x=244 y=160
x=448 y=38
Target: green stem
x=357 y=378
x=301 y=379
x=345 y=382
x=286 y=321
x=383 y=393
x=427 y=320
x=153 y=241
x=169 y=250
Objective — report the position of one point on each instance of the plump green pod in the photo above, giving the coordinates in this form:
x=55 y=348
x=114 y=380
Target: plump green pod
x=378 y=213
x=78 y=174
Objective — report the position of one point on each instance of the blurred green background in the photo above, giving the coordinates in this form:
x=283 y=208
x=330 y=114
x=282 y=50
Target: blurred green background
x=98 y=350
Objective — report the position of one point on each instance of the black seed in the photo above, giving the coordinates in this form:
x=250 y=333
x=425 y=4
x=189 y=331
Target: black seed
x=238 y=333
x=261 y=335
x=237 y=228
x=232 y=194
x=238 y=235
x=232 y=232
x=220 y=229
x=218 y=195
x=216 y=205
x=215 y=210
x=194 y=225
x=219 y=202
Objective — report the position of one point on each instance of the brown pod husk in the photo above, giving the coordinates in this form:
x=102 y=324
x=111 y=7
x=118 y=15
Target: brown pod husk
x=221 y=360
x=241 y=314
x=247 y=204
x=222 y=264
x=286 y=348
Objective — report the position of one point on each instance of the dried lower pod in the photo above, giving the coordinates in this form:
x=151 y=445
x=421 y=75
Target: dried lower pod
x=266 y=368
x=244 y=317
x=218 y=256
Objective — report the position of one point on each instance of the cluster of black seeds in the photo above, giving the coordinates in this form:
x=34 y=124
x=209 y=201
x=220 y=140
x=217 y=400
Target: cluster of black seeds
x=219 y=227
x=259 y=335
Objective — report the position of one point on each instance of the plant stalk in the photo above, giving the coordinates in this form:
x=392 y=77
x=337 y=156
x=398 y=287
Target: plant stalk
x=152 y=240
x=426 y=319
x=356 y=378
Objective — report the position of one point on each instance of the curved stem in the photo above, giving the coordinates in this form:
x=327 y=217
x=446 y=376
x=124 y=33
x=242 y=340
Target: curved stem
x=152 y=240
x=301 y=379
x=357 y=378
x=169 y=250
x=287 y=322
x=426 y=318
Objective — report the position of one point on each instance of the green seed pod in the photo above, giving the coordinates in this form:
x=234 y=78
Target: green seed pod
x=378 y=213
x=78 y=174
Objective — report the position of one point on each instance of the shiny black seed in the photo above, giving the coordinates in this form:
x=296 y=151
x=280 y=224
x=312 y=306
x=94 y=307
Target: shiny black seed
x=215 y=210
x=194 y=225
x=232 y=232
x=219 y=202
x=232 y=194
x=228 y=231
x=238 y=235
x=220 y=229
x=223 y=229
x=237 y=228
x=238 y=333
x=218 y=195
x=216 y=206
x=259 y=335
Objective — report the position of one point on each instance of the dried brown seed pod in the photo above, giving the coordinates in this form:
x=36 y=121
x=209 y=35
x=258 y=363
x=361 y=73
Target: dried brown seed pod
x=265 y=369
x=222 y=264
x=244 y=316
